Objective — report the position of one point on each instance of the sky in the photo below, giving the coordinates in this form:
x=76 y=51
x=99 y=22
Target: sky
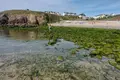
x=89 y=7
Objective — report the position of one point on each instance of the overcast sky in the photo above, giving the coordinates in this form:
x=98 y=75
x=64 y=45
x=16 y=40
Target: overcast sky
x=89 y=7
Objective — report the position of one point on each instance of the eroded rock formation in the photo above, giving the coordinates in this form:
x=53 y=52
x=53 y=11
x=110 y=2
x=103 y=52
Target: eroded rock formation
x=22 y=19
x=3 y=19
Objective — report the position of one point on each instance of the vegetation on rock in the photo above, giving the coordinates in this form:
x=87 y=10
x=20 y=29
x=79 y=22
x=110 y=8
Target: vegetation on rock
x=105 y=42
x=26 y=18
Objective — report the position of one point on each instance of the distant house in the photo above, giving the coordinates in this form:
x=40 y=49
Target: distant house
x=101 y=16
x=82 y=16
x=27 y=9
x=112 y=14
x=69 y=14
x=58 y=13
x=52 y=12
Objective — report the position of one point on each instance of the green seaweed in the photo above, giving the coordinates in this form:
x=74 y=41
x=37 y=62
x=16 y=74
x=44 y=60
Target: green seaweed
x=106 y=42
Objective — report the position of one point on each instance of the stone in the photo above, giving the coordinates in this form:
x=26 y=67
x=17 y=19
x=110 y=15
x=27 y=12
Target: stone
x=4 y=19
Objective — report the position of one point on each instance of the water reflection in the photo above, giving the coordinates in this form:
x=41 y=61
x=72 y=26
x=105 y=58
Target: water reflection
x=21 y=34
x=19 y=58
x=24 y=35
x=30 y=41
x=4 y=32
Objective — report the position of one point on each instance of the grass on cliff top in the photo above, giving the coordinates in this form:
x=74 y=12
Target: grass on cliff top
x=52 y=17
x=21 y=12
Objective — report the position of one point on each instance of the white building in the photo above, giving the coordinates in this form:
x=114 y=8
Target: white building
x=103 y=16
x=100 y=16
x=112 y=14
x=69 y=14
x=51 y=12
x=83 y=16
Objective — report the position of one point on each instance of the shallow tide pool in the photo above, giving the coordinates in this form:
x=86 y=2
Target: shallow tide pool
x=26 y=55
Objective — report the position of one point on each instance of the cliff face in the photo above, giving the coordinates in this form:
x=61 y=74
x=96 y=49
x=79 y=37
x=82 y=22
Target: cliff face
x=24 y=17
x=29 y=19
x=4 y=19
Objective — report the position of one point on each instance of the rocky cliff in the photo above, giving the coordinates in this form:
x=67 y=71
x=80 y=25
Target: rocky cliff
x=26 y=17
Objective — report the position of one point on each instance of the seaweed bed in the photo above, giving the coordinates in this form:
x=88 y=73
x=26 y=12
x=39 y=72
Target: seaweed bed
x=92 y=59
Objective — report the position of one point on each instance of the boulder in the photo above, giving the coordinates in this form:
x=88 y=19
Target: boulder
x=4 y=19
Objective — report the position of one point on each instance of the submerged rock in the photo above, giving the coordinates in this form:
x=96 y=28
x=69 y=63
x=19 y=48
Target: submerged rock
x=47 y=68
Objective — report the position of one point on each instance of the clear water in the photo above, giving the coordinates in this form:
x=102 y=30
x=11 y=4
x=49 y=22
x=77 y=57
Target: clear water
x=12 y=41
x=23 y=52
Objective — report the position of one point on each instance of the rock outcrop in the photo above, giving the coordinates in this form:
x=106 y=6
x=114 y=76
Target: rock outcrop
x=3 y=19
x=21 y=19
x=29 y=19
x=25 y=17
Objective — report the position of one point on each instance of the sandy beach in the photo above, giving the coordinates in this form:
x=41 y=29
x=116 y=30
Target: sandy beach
x=90 y=24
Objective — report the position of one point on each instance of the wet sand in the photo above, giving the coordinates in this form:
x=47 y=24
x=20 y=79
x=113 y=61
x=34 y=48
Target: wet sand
x=90 y=24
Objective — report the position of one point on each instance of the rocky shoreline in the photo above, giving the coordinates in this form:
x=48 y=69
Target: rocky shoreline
x=45 y=67
x=52 y=65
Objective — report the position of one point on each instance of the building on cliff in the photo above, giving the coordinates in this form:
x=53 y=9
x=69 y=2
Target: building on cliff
x=69 y=14
x=52 y=12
